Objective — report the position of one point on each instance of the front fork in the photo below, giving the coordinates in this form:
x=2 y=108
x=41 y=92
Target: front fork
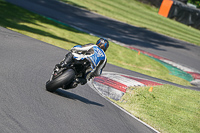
x=67 y=60
x=51 y=76
x=56 y=71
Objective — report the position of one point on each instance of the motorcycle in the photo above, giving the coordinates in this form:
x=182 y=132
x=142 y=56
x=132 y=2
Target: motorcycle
x=69 y=75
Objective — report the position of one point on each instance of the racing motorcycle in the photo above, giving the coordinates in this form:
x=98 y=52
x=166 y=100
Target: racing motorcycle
x=68 y=75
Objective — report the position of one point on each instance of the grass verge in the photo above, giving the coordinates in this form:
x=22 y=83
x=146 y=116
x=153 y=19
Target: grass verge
x=36 y=26
x=167 y=108
x=33 y=25
x=141 y=15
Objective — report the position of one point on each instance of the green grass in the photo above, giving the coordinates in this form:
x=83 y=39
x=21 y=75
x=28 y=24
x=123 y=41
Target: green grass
x=167 y=108
x=33 y=25
x=141 y=15
x=41 y=28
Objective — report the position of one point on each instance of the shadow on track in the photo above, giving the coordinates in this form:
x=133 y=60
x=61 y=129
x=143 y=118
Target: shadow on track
x=73 y=96
x=119 y=31
x=29 y=22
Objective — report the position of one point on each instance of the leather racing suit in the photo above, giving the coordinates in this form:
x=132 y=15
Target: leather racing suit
x=94 y=55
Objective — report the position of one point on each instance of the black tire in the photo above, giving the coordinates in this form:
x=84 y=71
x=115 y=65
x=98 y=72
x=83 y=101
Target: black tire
x=66 y=78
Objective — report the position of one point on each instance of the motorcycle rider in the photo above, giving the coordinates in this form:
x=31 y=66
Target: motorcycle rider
x=95 y=54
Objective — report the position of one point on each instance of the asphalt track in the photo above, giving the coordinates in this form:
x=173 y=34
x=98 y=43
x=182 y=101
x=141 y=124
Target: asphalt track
x=177 y=51
x=26 y=107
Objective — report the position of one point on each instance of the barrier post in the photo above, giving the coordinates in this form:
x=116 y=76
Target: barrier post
x=165 y=7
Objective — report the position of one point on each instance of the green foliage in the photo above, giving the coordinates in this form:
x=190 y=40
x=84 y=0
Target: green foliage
x=141 y=15
x=167 y=108
x=195 y=2
x=43 y=29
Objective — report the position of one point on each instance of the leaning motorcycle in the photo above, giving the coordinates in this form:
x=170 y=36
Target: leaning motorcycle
x=67 y=76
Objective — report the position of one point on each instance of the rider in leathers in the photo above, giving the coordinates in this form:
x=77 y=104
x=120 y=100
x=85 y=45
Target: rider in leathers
x=93 y=53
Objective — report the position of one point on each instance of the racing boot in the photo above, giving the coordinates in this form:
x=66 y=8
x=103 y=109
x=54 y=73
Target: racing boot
x=82 y=81
x=66 y=61
x=70 y=86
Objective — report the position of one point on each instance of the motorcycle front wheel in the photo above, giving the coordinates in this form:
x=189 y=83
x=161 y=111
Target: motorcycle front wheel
x=64 y=79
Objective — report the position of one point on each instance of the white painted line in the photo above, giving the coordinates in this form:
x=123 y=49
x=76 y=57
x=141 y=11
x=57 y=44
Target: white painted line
x=93 y=87
x=105 y=72
x=186 y=69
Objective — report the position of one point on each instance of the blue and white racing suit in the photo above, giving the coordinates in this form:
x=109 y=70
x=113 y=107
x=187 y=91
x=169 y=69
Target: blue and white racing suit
x=94 y=54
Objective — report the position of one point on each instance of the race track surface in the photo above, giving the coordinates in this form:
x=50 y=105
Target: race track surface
x=26 y=107
x=178 y=51
x=26 y=64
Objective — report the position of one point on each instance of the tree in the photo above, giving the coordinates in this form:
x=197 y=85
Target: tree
x=195 y=2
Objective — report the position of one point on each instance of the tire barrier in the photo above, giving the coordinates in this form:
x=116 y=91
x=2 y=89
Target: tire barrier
x=180 y=12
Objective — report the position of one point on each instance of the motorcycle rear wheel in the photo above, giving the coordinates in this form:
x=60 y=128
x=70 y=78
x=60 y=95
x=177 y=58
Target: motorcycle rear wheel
x=64 y=79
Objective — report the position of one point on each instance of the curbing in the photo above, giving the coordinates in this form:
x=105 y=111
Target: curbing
x=192 y=72
x=90 y=83
x=114 y=85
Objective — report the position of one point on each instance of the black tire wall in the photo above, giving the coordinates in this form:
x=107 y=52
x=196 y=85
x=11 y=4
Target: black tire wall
x=66 y=78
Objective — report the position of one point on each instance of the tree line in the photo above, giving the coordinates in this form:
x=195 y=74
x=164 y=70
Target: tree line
x=195 y=2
